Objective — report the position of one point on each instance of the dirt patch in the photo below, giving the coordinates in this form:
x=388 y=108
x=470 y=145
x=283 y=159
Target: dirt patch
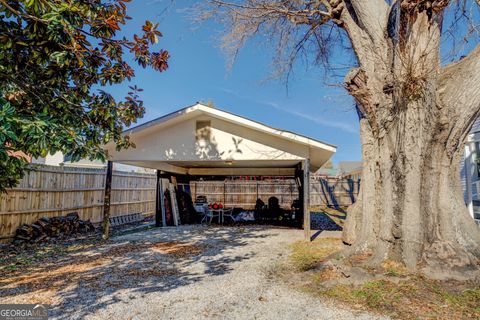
x=150 y=272
x=51 y=278
x=79 y=256
x=89 y=269
x=174 y=249
x=178 y=249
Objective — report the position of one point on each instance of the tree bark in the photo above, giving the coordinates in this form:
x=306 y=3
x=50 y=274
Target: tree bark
x=415 y=119
x=411 y=210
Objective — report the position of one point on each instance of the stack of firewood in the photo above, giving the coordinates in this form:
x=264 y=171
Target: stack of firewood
x=53 y=227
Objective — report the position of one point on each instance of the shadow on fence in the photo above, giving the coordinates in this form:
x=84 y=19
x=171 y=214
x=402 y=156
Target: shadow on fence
x=338 y=193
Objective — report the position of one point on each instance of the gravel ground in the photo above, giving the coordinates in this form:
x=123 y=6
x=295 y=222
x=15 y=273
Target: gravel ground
x=220 y=273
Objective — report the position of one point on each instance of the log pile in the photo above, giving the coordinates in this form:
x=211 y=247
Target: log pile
x=53 y=227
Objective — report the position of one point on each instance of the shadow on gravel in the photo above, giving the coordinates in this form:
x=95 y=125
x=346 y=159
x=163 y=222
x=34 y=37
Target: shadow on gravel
x=157 y=260
x=323 y=221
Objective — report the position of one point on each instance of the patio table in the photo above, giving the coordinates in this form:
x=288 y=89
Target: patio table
x=210 y=212
x=220 y=213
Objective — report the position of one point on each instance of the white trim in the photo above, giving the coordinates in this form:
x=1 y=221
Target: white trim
x=468 y=178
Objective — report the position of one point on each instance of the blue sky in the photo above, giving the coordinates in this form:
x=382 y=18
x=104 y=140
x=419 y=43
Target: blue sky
x=313 y=105
x=198 y=72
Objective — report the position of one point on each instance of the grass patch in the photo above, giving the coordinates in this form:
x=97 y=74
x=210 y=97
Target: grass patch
x=416 y=298
x=394 y=292
x=307 y=255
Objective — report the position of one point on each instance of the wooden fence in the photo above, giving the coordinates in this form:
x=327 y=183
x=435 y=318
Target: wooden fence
x=333 y=192
x=245 y=193
x=324 y=192
x=53 y=191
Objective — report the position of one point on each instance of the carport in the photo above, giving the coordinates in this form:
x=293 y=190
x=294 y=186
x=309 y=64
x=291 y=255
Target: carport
x=200 y=140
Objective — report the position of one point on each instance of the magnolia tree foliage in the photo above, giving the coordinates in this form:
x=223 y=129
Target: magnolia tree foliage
x=55 y=57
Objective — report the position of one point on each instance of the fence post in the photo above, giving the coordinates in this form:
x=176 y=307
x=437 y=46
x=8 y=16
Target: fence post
x=106 y=200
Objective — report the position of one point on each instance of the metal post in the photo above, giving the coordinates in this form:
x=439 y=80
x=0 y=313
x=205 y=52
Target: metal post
x=106 y=200
x=306 y=198
x=162 y=202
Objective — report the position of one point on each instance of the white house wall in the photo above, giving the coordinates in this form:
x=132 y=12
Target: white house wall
x=240 y=143
x=228 y=142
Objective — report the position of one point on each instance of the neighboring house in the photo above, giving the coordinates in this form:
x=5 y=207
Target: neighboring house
x=51 y=159
x=350 y=170
x=327 y=170
x=470 y=171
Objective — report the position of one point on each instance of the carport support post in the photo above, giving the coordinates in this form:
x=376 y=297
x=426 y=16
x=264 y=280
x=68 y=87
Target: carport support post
x=306 y=198
x=158 y=212
x=159 y=204
x=106 y=200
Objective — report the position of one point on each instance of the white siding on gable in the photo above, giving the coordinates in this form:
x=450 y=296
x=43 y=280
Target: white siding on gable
x=228 y=141
x=463 y=179
x=469 y=170
x=199 y=136
x=234 y=142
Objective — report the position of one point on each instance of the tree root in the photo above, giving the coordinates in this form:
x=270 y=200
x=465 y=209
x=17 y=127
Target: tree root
x=444 y=260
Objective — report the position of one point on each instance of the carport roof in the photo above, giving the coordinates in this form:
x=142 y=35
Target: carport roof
x=152 y=153
x=200 y=108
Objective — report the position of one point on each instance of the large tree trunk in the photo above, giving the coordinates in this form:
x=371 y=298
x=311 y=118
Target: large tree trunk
x=415 y=119
x=410 y=208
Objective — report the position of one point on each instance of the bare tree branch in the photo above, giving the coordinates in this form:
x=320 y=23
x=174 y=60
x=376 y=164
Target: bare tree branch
x=294 y=26
x=371 y=16
x=459 y=82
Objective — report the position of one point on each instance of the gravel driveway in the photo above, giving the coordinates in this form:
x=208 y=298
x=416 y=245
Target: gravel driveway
x=190 y=272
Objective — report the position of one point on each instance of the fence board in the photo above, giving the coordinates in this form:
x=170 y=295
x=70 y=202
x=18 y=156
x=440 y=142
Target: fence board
x=323 y=192
x=53 y=191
